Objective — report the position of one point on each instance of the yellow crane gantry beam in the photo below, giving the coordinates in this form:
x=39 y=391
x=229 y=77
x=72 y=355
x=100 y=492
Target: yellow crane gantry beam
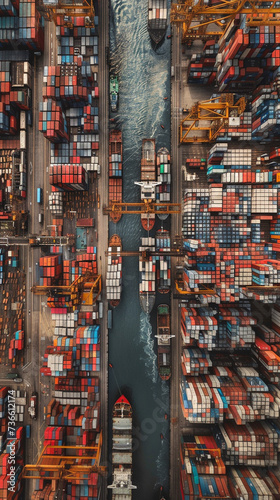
x=193 y=16
x=60 y=9
x=216 y=112
x=147 y=207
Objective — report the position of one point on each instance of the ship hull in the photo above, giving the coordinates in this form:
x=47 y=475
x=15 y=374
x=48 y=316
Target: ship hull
x=147 y=302
x=122 y=450
x=157 y=20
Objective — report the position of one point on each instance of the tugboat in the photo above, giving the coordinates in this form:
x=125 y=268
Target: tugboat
x=148 y=181
x=157 y=20
x=147 y=275
x=122 y=451
x=114 y=271
x=163 y=340
x=114 y=93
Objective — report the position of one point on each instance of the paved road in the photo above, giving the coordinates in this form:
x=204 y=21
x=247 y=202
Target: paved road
x=176 y=226
x=38 y=320
x=102 y=220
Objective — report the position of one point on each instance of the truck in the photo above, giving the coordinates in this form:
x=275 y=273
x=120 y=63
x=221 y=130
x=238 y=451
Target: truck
x=33 y=407
x=28 y=431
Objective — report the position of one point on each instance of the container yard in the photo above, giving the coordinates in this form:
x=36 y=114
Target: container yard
x=140 y=356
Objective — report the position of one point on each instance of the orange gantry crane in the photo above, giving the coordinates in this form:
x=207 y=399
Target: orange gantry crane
x=74 y=463
x=210 y=116
x=86 y=288
x=202 y=21
x=145 y=207
x=66 y=10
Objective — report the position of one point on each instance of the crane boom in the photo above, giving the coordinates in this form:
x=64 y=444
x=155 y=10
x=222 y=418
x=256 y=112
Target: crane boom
x=195 y=16
x=147 y=207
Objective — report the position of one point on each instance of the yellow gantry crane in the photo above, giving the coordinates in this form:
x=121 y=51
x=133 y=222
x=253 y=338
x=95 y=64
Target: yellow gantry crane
x=65 y=10
x=86 y=288
x=210 y=116
x=202 y=21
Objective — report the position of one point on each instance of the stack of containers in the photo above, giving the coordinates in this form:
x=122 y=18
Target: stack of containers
x=30 y=33
x=16 y=344
x=50 y=270
x=196 y=216
x=238 y=129
x=52 y=121
x=56 y=202
x=199 y=327
x=20 y=21
x=87 y=338
x=202 y=68
x=69 y=177
x=115 y=165
x=147 y=268
x=54 y=436
x=114 y=276
x=246 y=58
x=64 y=322
x=163 y=271
x=163 y=191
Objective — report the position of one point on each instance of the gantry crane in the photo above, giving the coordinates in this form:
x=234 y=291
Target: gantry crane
x=76 y=463
x=215 y=112
x=196 y=17
x=66 y=10
x=145 y=207
x=85 y=285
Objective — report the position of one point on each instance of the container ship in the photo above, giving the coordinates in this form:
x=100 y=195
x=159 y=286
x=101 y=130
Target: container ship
x=163 y=342
x=163 y=273
x=163 y=191
x=114 y=93
x=148 y=180
x=147 y=275
x=114 y=271
x=157 y=20
x=115 y=170
x=122 y=451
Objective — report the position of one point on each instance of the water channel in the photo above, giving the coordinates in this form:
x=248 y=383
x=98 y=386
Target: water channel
x=144 y=80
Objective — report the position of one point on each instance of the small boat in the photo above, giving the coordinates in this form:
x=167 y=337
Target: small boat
x=110 y=365
x=161 y=436
x=165 y=416
x=114 y=271
x=162 y=126
x=163 y=342
x=122 y=451
x=165 y=98
x=157 y=20
x=114 y=93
